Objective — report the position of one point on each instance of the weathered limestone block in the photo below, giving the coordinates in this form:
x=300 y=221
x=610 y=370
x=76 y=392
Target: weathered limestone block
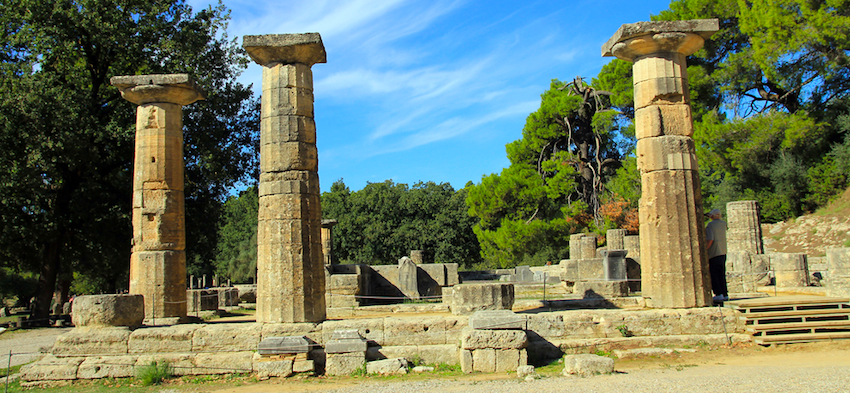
x=497 y=319
x=227 y=337
x=223 y=362
x=575 y=245
x=387 y=366
x=109 y=310
x=52 y=368
x=344 y=363
x=181 y=363
x=201 y=300
x=455 y=325
x=96 y=367
x=434 y=271
x=371 y=329
x=346 y=341
x=587 y=365
x=466 y=361
x=666 y=153
x=616 y=239
x=311 y=330
x=484 y=360
x=744 y=232
x=283 y=345
x=468 y=298
x=417 y=256
x=674 y=267
x=179 y=89
x=452 y=277
x=158 y=219
x=632 y=246
x=342 y=290
x=274 y=368
x=508 y=360
x=92 y=341
x=407 y=278
x=498 y=339
x=838 y=280
x=288 y=206
x=661 y=120
x=288 y=156
x=282 y=129
x=546 y=324
x=177 y=338
x=227 y=297
x=614 y=264
x=790 y=270
x=588 y=247
x=601 y=289
x=161 y=277
x=247 y=293
x=290 y=182
x=414 y=331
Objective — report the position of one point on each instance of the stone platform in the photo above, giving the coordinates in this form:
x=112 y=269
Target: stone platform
x=226 y=348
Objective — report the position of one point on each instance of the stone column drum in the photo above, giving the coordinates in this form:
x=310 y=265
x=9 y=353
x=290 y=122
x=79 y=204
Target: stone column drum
x=674 y=268
x=616 y=239
x=328 y=240
x=290 y=266
x=744 y=233
x=158 y=260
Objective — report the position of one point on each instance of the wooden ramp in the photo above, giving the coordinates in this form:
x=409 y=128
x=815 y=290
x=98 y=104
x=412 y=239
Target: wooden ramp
x=794 y=319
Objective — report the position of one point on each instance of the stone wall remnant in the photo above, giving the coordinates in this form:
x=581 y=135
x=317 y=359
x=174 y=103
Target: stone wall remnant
x=674 y=267
x=838 y=280
x=468 y=298
x=290 y=265
x=744 y=233
x=616 y=239
x=790 y=270
x=158 y=259
x=328 y=240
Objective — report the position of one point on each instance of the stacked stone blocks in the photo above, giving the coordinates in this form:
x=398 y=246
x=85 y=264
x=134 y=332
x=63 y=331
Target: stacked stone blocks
x=290 y=264
x=158 y=259
x=674 y=267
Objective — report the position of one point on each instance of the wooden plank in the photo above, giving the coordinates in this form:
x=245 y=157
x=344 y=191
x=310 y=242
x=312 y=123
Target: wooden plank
x=783 y=300
x=799 y=325
x=805 y=337
x=795 y=307
x=796 y=313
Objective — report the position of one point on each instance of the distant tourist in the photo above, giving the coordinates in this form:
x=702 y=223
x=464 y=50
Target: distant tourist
x=715 y=233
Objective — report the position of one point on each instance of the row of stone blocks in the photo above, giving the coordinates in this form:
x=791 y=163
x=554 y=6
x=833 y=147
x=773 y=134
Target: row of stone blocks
x=228 y=348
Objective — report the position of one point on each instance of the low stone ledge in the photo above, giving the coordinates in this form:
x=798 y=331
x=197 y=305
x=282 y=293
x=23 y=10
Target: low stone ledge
x=177 y=338
x=181 y=363
x=587 y=365
x=414 y=331
x=223 y=363
x=428 y=354
x=468 y=298
x=372 y=329
x=52 y=368
x=494 y=339
x=92 y=341
x=311 y=330
x=227 y=337
x=107 y=367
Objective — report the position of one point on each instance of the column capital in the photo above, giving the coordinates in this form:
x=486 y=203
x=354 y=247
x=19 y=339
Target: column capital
x=304 y=48
x=177 y=89
x=633 y=40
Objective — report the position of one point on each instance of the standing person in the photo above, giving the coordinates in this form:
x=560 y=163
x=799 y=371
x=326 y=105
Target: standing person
x=715 y=233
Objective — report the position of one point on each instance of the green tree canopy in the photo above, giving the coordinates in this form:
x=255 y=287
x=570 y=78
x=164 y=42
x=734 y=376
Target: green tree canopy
x=384 y=221
x=66 y=136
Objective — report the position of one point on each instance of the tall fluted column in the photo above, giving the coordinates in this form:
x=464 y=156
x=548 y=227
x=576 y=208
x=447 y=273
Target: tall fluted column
x=290 y=266
x=158 y=260
x=674 y=268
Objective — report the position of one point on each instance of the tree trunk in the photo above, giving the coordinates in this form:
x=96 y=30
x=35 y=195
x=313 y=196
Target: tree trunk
x=47 y=281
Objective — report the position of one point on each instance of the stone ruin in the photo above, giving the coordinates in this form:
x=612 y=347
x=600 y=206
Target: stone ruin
x=114 y=334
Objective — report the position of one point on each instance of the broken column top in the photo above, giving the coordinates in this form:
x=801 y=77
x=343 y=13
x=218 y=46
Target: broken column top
x=660 y=32
x=166 y=88
x=304 y=48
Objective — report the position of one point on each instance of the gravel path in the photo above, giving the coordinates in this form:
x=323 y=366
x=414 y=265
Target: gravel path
x=717 y=378
x=28 y=345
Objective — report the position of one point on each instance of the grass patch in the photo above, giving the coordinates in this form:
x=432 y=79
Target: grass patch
x=154 y=373
x=12 y=370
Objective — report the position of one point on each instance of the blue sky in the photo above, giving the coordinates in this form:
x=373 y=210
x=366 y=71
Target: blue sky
x=432 y=90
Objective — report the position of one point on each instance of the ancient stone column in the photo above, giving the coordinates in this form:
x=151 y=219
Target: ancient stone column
x=328 y=240
x=158 y=259
x=674 y=268
x=588 y=247
x=575 y=246
x=616 y=239
x=290 y=266
x=744 y=233
x=632 y=245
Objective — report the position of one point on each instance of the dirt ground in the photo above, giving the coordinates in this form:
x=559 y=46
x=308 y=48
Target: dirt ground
x=697 y=367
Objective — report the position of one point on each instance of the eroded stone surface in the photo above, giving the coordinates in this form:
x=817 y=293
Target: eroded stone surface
x=108 y=310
